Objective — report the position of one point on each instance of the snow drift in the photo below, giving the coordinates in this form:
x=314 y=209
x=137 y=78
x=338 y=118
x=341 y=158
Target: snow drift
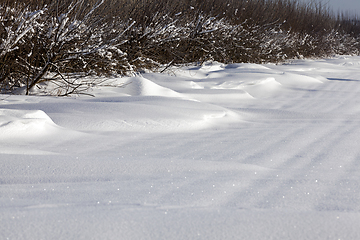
x=239 y=151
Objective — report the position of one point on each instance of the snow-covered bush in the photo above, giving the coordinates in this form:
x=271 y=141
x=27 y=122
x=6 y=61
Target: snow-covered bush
x=62 y=41
x=59 y=45
x=17 y=26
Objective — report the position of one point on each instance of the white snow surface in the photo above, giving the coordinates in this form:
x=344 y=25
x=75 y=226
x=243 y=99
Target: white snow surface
x=240 y=151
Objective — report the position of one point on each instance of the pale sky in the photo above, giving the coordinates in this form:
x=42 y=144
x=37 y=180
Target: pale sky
x=353 y=6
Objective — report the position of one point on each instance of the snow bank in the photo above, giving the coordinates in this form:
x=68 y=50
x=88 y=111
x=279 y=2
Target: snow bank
x=23 y=124
x=240 y=151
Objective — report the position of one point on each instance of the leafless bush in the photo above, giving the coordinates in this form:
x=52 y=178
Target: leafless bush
x=60 y=42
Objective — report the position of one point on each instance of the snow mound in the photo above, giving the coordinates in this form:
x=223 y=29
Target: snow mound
x=250 y=88
x=299 y=80
x=248 y=66
x=195 y=85
x=25 y=124
x=262 y=88
x=139 y=86
x=143 y=113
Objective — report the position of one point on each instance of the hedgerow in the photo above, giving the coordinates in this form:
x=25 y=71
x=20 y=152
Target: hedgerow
x=65 y=40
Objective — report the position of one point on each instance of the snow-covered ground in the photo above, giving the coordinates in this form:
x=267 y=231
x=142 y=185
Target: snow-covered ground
x=238 y=151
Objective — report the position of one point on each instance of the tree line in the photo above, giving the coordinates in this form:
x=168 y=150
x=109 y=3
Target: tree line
x=63 y=41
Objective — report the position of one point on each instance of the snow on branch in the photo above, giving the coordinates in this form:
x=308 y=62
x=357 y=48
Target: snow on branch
x=70 y=39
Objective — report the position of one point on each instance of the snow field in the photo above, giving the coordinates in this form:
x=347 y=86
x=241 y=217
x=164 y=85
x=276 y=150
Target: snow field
x=239 y=151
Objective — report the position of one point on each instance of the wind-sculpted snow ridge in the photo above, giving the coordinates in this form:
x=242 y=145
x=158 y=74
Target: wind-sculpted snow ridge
x=240 y=151
x=20 y=127
x=24 y=124
x=139 y=86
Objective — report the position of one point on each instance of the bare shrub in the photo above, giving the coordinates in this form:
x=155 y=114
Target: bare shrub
x=60 y=42
x=67 y=41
